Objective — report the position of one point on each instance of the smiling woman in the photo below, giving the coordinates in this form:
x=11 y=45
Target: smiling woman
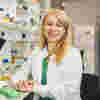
x=56 y=69
x=56 y=30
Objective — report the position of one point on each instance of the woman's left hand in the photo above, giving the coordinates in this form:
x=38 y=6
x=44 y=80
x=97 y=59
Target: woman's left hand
x=24 y=85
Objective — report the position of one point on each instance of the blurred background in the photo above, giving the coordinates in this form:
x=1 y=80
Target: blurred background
x=7 y=3
x=83 y=14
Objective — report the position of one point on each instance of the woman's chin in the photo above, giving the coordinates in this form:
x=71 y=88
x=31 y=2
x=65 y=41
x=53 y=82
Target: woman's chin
x=52 y=39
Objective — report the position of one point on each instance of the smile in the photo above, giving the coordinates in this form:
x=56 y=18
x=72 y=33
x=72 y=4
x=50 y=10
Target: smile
x=53 y=34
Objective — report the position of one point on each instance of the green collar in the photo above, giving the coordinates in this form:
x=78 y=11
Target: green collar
x=44 y=71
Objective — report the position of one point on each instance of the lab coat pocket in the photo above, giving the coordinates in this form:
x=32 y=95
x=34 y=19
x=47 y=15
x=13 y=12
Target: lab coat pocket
x=72 y=91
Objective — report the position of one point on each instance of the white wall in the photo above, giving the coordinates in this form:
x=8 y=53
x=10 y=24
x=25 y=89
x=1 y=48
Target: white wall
x=12 y=3
x=82 y=12
x=3 y=3
x=7 y=3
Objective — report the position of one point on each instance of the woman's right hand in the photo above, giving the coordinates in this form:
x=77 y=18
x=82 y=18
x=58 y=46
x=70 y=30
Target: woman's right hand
x=30 y=85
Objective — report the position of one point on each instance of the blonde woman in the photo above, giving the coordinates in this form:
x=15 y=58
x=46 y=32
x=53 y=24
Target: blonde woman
x=57 y=67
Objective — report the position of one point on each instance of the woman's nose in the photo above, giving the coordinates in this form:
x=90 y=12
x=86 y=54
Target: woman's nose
x=53 y=27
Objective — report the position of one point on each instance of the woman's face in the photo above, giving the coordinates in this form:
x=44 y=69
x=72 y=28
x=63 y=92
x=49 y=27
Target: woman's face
x=54 y=28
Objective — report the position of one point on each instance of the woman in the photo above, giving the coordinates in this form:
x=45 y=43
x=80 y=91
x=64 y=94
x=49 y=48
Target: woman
x=62 y=73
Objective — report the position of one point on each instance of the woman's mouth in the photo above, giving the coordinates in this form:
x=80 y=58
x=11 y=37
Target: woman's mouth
x=51 y=35
x=54 y=34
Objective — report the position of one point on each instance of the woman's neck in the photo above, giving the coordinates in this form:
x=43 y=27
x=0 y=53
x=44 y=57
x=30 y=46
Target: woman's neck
x=51 y=47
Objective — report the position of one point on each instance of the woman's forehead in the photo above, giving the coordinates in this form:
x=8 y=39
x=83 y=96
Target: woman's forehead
x=51 y=13
x=54 y=17
x=50 y=17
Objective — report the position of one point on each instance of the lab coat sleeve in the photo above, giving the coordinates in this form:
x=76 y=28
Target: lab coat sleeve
x=12 y=12
x=28 y=68
x=70 y=88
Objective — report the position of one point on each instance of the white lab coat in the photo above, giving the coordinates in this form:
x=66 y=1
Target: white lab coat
x=63 y=79
x=12 y=12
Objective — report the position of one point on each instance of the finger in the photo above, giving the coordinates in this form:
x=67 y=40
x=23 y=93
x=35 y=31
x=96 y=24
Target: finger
x=20 y=84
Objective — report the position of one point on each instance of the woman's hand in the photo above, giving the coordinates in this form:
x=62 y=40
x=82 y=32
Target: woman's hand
x=24 y=85
x=42 y=90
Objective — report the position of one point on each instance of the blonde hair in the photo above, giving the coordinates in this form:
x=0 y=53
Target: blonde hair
x=65 y=40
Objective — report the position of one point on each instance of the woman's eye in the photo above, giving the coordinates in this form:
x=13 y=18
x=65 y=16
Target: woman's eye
x=59 y=25
x=49 y=24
